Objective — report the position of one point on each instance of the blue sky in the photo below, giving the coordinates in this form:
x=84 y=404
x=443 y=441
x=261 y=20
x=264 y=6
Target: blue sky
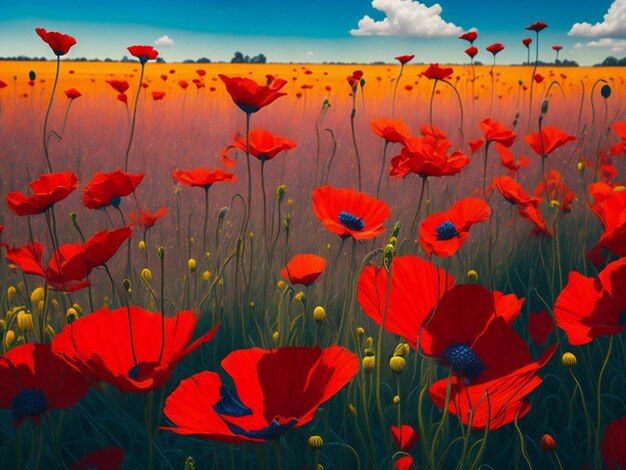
x=318 y=30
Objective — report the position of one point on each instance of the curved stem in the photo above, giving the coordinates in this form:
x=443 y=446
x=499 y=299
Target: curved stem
x=430 y=114
x=132 y=125
x=395 y=92
x=599 y=398
x=45 y=121
x=356 y=149
x=382 y=168
x=206 y=218
x=419 y=208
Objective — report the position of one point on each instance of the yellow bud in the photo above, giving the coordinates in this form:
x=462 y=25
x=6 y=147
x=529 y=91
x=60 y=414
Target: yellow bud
x=177 y=189
x=25 y=321
x=299 y=297
x=206 y=275
x=290 y=202
x=71 y=315
x=37 y=295
x=319 y=314
x=555 y=204
x=9 y=338
x=40 y=306
x=580 y=166
x=3 y=326
x=251 y=304
x=315 y=442
x=352 y=409
x=396 y=400
x=472 y=275
x=142 y=245
x=360 y=331
x=251 y=234
x=11 y=291
x=146 y=275
x=50 y=332
x=191 y=264
x=79 y=309
x=619 y=189
x=55 y=303
x=369 y=362
x=327 y=246
x=280 y=284
x=220 y=282
x=275 y=336
x=397 y=364
x=402 y=350
x=568 y=359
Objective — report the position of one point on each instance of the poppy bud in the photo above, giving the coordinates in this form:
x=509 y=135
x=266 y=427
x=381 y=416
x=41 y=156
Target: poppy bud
x=360 y=331
x=352 y=409
x=281 y=284
x=40 y=306
x=223 y=212
x=472 y=275
x=11 y=291
x=126 y=283
x=299 y=297
x=146 y=275
x=160 y=252
x=520 y=83
x=190 y=464
x=280 y=192
x=362 y=82
x=369 y=362
x=71 y=315
x=9 y=338
x=32 y=75
x=326 y=104
x=206 y=275
x=555 y=204
x=580 y=166
x=396 y=400
x=315 y=442
x=251 y=304
x=605 y=91
x=568 y=359
x=547 y=443
x=191 y=264
x=402 y=350
x=319 y=314
x=287 y=223
x=544 y=107
x=275 y=336
x=142 y=245
x=290 y=202
x=388 y=254
x=37 y=295
x=396 y=230
x=25 y=321
x=3 y=326
x=397 y=364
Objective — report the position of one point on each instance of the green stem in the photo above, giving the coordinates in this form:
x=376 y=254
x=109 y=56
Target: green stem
x=45 y=121
x=132 y=126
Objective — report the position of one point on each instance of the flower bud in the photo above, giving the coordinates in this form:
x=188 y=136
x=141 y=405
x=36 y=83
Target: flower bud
x=280 y=284
x=223 y=212
x=396 y=400
x=71 y=315
x=315 y=442
x=605 y=91
x=547 y=443
x=142 y=245
x=352 y=409
x=11 y=291
x=369 y=362
x=191 y=264
x=160 y=253
x=146 y=275
x=126 y=284
x=275 y=336
x=190 y=464
x=280 y=192
x=299 y=297
x=544 y=107
x=580 y=166
x=319 y=314
x=9 y=338
x=360 y=331
x=25 y=321
x=568 y=359
x=37 y=295
x=206 y=275
x=472 y=275
x=397 y=364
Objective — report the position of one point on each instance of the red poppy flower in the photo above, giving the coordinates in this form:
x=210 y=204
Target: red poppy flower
x=201 y=72
x=434 y=72
x=588 y=308
x=508 y=160
x=428 y=156
x=203 y=178
x=108 y=189
x=249 y=96
x=34 y=380
x=532 y=214
x=59 y=43
x=404 y=59
x=495 y=403
x=475 y=145
x=73 y=93
x=143 y=53
x=508 y=306
x=471 y=51
x=538 y=26
x=110 y=458
x=610 y=207
x=303 y=269
x=346 y=212
x=612 y=447
x=158 y=95
x=538 y=78
x=404 y=437
x=101 y=247
x=273 y=392
x=405 y=313
x=119 y=85
x=3 y=244
x=48 y=189
x=495 y=48
x=145 y=219
x=557 y=48
x=540 y=325
x=513 y=192
x=183 y=84
x=101 y=346
x=527 y=41
x=123 y=98
x=443 y=233
x=620 y=129
x=405 y=462
x=496 y=132
x=3 y=84
x=470 y=36
x=392 y=130
x=552 y=137
x=263 y=144
x=557 y=190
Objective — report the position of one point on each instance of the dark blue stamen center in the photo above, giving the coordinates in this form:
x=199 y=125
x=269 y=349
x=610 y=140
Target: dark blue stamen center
x=351 y=222
x=247 y=108
x=28 y=403
x=622 y=318
x=230 y=404
x=446 y=231
x=133 y=373
x=116 y=201
x=463 y=360
x=273 y=431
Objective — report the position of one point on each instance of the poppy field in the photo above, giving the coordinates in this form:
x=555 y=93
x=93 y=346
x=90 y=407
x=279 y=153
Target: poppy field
x=312 y=266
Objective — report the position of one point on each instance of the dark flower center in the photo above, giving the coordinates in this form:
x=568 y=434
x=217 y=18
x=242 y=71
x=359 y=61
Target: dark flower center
x=463 y=360
x=622 y=318
x=247 y=108
x=230 y=404
x=116 y=201
x=143 y=370
x=276 y=429
x=351 y=222
x=27 y=403
x=446 y=231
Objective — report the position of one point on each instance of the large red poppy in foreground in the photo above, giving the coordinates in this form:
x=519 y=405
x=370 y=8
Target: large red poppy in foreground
x=550 y=139
x=613 y=449
x=48 y=189
x=203 y=178
x=59 y=43
x=610 y=207
x=34 y=380
x=108 y=189
x=273 y=392
x=263 y=144
x=101 y=346
x=249 y=96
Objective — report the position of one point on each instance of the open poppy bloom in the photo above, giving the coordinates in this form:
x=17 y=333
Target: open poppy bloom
x=496 y=132
x=273 y=392
x=203 y=178
x=143 y=53
x=249 y=96
x=145 y=219
x=404 y=437
x=405 y=313
x=110 y=458
x=533 y=215
x=551 y=139
x=263 y=144
x=434 y=72
x=471 y=51
x=73 y=93
x=588 y=307
x=527 y=41
x=392 y=130
x=443 y=233
x=494 y=403
x=59 y=43
x=612 y=447
x=121 y=86
x=303 y=269
x=470 y=36
x=513 y=192
x=538 y=26
x=108 y=189
x=405 y=59
x=428 y=156
x=540 y=325
x=34 y=380
x=508 y=160
x=349 y=213
x=48 y=189
x=610 y=208
x=405 y=462
x=183 y=84
x=495 y=48
x=101 y=346
x=158 y=95
x=557 y=191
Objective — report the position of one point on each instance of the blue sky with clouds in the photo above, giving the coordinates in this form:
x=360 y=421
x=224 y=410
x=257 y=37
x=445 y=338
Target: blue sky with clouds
x=319 y=30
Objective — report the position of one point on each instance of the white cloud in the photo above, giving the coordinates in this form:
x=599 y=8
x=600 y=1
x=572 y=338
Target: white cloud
x=406 y=18
x=616 y=45
x=310 y=53
x=614 y=23
x=164 y=41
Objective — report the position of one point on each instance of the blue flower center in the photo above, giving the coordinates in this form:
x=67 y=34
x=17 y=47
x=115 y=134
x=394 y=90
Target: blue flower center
x=230 y=404
x=446 y=231
x=463 y=360
x=116 y=201
x=247 y=108
x=351 y=222
x=29 y=402
x=278 y=427
x=622 y=318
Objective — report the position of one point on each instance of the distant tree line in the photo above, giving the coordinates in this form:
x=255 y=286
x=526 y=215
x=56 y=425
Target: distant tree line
x=239 y=58
x=612 y=62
